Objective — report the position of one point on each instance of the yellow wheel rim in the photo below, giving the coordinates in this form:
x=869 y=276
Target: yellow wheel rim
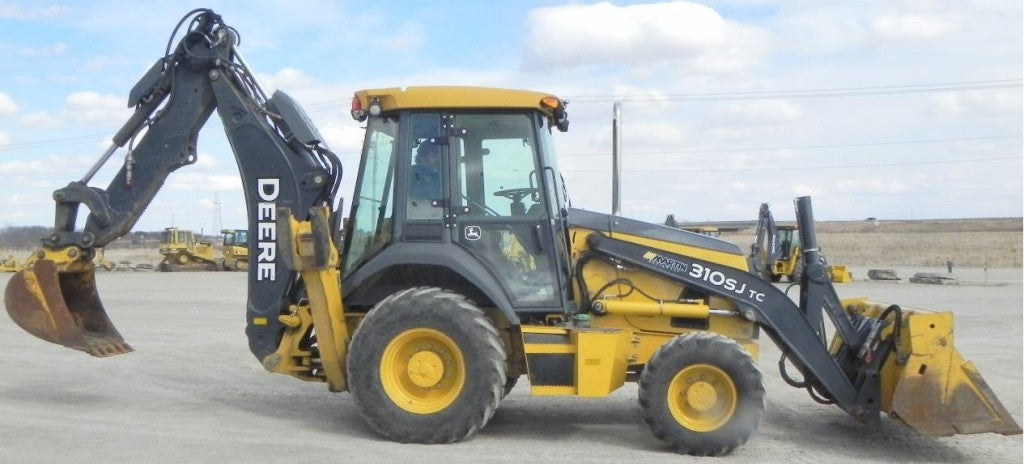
x=422 y=371
x=702 y=397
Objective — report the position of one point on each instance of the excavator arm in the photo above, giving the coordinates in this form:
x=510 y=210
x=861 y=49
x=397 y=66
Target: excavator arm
x=285 y=168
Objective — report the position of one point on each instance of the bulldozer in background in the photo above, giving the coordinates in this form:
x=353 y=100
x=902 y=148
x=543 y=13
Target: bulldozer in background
x=182 y=252
x=428 y=315
x=235 y=250
x=8 y=263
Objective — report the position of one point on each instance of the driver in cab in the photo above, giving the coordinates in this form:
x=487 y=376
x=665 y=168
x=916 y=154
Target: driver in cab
x=425 y=181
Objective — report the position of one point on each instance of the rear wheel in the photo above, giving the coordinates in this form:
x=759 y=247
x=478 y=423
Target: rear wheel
x=426 y=366
x=702 y=394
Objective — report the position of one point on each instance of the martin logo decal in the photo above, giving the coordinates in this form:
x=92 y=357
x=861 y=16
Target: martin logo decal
x=701 y=272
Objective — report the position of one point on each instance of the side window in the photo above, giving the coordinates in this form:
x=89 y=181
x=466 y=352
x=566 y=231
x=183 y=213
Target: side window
x=498 y=171
x=371 y=220
x=426 y=192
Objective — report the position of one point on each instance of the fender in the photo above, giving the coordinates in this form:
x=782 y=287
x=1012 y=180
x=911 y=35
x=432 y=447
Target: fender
x=360 y=287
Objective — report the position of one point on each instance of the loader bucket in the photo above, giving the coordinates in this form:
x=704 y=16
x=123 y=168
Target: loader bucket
x=929 y=386
x=62 y=308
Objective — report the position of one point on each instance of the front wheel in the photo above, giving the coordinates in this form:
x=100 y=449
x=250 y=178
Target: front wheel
x=426 y=366
x=702 y=394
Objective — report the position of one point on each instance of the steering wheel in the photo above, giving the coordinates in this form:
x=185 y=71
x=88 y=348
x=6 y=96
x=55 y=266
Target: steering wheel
x=516 y=194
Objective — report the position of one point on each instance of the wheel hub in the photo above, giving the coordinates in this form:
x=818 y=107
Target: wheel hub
x=701 y=396
x=422 y=370
x=425 y=369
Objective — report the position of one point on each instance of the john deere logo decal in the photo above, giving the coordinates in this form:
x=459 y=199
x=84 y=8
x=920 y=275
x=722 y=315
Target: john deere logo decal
x=472 y=233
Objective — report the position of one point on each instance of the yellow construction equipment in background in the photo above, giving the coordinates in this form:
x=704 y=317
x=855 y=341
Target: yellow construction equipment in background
x=182 y=252
x=8 y=263
x=235 y=250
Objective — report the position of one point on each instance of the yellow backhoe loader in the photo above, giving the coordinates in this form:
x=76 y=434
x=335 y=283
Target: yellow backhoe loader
x=235 y=250
x=429 y=312
x=776 y=252
x=182 y=252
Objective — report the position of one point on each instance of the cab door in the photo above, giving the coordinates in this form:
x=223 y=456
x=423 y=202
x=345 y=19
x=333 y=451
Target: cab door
x=498 y=204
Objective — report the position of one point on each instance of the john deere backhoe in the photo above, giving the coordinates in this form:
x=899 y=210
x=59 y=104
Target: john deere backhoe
x=775 y=252
x=459 y=275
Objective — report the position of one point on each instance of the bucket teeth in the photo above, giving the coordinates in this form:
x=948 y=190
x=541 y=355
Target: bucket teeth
x=105 y=349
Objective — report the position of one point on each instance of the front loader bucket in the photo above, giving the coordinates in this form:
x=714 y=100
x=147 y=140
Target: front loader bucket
x=930 y=387
x=62 y=308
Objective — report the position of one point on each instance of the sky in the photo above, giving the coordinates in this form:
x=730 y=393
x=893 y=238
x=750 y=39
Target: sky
x=885 y=109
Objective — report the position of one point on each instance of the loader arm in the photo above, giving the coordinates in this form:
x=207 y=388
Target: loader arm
x=283 y=164
x=873 y=363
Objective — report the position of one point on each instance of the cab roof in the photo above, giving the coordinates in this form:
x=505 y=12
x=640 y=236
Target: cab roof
x=396 y=98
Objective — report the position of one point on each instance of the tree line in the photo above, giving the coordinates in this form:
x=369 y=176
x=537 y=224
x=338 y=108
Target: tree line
x=28 y=237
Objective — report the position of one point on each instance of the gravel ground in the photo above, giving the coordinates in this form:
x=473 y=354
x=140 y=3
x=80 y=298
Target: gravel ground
x=193 y=393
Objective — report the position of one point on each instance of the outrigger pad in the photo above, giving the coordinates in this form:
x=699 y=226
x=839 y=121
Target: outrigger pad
x=63 y=308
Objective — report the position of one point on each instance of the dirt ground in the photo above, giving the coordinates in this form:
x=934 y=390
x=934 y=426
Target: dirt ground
x=193 y=393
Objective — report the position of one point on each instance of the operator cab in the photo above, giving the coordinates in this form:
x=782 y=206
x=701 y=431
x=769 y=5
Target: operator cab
x=445 y=192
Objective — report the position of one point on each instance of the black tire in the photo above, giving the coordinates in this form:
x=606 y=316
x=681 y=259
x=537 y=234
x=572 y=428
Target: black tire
x=510 y=383
x=695 y=424
x=457 y=392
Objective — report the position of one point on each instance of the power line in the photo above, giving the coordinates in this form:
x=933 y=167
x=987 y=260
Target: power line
x=317 y=107
x=798 y=147
x=807 y=168
x=807 y=93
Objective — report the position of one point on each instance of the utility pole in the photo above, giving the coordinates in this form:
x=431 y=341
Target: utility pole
x=216 y=202
x=616 y=152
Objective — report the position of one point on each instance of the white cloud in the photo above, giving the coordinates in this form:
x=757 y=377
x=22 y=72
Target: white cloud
x=872 y=186
x=44 y=52
x=756 y=112
x=344 y=138
x=194 y=181
x=977 y=103
x=910 y=26
x=95 y=109
x=40 y=120
x=24 y=13
x=693 y=35
x=21 y=167
x=4 y=141
x=286 y=78
x=7 y=105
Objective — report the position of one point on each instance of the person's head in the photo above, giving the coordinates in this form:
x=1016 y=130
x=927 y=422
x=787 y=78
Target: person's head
x=428 y=154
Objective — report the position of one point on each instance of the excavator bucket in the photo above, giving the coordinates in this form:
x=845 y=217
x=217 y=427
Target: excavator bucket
x=63 y=308
x=928 y=385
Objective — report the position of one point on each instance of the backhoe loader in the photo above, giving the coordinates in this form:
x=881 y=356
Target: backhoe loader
x=462 y=273
x=775 y=252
